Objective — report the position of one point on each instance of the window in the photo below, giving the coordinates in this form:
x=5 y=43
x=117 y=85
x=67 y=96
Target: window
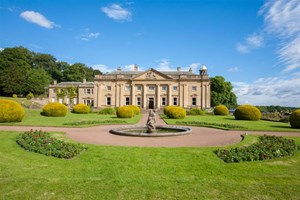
x=151 y=88
x=68 y=101
x=108 y=87
x=127 y=88
x=139 y=87
x=164 y=88
x=194 y=101
x=163 y=101
x=88 y=91
x=60 y=100
x=174 y=88
x=138 y=101
x=108 y=101
x=89 y=102
x=53 y=100
x=127 y=101
x=175 y=101
x=75 y=100
x=194 y=88
x=52 y=91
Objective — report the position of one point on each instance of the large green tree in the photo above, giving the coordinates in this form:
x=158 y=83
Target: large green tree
x=77 y=72
x=221 y=92
x=37 y=80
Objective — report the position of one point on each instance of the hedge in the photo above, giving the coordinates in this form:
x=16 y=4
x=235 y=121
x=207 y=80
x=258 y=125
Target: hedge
x=125 y=112
x=247 y=112
x=81 y=109
x=175 y=112
x=221 y=110
x=11 y=111
x=295 y=119
x=55 y=110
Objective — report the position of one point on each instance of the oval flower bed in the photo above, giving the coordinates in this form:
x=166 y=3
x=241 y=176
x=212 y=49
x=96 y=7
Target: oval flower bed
x=41 y=142
x=268 y=147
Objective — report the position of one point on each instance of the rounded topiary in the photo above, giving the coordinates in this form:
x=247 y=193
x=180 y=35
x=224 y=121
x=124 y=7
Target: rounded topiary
x=55 y=110
x=11 y=111
x=124 y=112
x=176 y=112
x=295 y=119
x=15 y=96
x=29 y=96
x=107 y=111
x=247 y=112
x=81 y=109
x=221 y=110
x=167 y=110
x=195 y=111
x=135 y=109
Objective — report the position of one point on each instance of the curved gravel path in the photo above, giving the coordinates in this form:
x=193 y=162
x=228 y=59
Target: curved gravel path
x=200 y=136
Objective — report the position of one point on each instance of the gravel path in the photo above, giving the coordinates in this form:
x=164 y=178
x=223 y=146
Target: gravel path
x=200 y=136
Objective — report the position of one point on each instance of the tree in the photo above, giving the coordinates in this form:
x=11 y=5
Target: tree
x=37 y=80
x=221 y=92
x=77 y=72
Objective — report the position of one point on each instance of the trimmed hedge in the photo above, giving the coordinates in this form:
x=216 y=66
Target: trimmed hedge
x=247 y=112
x=41 y=142
x=175 y=112
x=136 y=110
x=268 y=147
x=15 y=96
x=195 y=111
x=11 y=111
x=295 y=119
x=107 y=111
x=81 y=109
x=125 y=112
x=29 y=96
x=54 y=110
x=221 y=110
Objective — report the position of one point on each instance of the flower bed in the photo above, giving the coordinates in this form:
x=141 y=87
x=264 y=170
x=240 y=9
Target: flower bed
x=41 y=142
x=268 y=147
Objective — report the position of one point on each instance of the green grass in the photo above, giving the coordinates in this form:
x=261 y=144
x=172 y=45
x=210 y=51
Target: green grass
x=33 y=118
x=249 y=125
x=104 y=172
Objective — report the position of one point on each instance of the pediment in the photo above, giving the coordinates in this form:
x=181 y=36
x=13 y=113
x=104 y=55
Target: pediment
x=152 y=74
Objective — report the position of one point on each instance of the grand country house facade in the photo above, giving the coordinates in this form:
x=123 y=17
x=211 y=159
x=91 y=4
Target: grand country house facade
x=150 y=89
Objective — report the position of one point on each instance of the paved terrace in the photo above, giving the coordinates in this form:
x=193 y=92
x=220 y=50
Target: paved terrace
x=199 y=136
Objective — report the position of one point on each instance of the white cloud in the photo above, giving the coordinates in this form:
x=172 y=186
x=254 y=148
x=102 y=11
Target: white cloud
x=88 y=35
x=37 y=18
x=269 y=91
x=1 y=49
x=251 y=42
x=282 y=20
x=233 y=69
x=117 y=13
x=164 y=65
x=102 y=68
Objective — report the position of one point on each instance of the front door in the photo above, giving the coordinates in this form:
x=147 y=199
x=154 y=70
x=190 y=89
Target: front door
x=151 y=103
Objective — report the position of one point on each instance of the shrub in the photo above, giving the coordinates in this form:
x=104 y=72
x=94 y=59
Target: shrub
x=107 y=111
x=81 y=109
x=247 y=112
x=11 y=111
x=221 y=110
x=41 y=142
x=15 y=96
x=29 y=96
x=124 y=112
x=135 y=109
x=268 y=147
x=295 y=119
x=195 y=111
x=55 y=110
x=175 y=112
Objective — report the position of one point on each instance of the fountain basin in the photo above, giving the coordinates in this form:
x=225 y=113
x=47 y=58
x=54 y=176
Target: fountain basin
x=141 y=131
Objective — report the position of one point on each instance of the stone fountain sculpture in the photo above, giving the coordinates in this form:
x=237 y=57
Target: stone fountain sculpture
x=151 y=122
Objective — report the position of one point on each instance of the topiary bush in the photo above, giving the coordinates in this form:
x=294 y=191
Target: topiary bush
x=15 y=96
x=29 y=96
x=136 y=110
x=175 y=112
x=55 y=110
x=81 y=109
x=107 y=111
x=247 y=112
x=221 y=110
x=295 y=119
x=11 y=111
x=124 y=112
x=195 y=111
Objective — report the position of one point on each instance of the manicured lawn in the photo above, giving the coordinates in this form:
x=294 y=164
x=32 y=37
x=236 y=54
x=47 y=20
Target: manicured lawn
x=249 y=125
x=33 y=118
x=104 y=172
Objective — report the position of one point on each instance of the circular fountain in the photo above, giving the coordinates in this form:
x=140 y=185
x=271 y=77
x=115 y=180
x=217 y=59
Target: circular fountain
x=151 y=130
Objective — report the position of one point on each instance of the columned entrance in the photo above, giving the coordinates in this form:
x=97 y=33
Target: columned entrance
x=151 y=103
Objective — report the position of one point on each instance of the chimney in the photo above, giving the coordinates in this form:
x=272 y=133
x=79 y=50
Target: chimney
x=119 y=69
x=84 y=80
x=178 y=69
x=203 y=70
x=190 y=70
x=54 y=82
x=136 y=67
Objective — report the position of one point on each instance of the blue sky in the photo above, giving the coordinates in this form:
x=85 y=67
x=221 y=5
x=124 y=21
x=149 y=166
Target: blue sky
x=254 y=44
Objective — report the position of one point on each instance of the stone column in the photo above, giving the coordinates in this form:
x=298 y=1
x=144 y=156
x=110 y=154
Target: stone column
x=144 y=97
x=158 y=96
x=121 y=103
x=208 y=96
x=116 y=95
x=202 y=96
x=99 y=94
x=169 y=94
x=132 y=94
x=185 y=96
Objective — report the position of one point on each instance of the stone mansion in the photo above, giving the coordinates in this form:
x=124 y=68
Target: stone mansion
x=150 y=89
